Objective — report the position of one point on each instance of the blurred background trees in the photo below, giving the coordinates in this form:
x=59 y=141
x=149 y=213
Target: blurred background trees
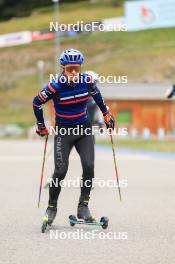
x=16 y=8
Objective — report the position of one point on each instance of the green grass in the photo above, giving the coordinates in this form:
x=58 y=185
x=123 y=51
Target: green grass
x=146 y=145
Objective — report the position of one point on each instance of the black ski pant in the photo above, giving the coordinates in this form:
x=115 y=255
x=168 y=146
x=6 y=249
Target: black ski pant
x=63 y=145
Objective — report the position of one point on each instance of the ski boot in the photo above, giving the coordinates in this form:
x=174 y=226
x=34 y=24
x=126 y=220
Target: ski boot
x=83 y=211
x=85 y=217
x=49 y=217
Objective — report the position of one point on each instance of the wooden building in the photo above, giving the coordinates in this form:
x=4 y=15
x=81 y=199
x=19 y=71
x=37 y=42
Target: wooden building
x=141 y=105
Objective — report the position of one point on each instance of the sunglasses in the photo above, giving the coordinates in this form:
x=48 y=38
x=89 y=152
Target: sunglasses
x=73 y=68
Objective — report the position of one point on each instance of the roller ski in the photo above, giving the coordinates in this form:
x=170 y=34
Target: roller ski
x=84 y=216
x=48 y=217
x=103 y=221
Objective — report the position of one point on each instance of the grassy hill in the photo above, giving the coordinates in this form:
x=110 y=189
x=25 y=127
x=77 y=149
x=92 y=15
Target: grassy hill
x=147 y=55
x=69 y=13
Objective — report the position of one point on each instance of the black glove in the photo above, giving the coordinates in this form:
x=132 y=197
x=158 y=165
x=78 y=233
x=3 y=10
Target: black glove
x=42 y=130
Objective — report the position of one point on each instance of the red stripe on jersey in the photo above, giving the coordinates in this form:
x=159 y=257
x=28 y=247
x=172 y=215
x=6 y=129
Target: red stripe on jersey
x=40 y=95
x=76 y=101
x=51 y=88
x=36 y=105
x=71 y=116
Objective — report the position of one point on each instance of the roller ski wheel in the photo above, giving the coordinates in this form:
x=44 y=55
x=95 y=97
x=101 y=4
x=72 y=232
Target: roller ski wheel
x=73 y=220
x=104 y=222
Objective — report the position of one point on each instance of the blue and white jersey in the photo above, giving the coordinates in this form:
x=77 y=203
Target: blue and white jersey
x=70 y=101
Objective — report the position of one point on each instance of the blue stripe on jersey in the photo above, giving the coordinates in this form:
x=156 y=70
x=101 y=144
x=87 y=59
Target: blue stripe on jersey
x=70 y=92
x=54 y=84
x=59 y=111
x=73 y=121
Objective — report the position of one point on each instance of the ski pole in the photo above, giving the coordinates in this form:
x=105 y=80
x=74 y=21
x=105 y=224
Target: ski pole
x=42 y=170
x=47 y=156
x=115 y=165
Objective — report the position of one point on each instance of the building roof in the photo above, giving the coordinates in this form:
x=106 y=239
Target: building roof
x=135 y=91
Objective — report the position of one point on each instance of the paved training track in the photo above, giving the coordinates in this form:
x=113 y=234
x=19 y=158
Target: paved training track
x=147 y=212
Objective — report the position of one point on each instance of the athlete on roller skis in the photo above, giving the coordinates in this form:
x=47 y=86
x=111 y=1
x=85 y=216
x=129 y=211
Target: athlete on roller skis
x=70 y=95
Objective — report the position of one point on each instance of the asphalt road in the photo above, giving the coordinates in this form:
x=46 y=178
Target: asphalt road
x=143 y=223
